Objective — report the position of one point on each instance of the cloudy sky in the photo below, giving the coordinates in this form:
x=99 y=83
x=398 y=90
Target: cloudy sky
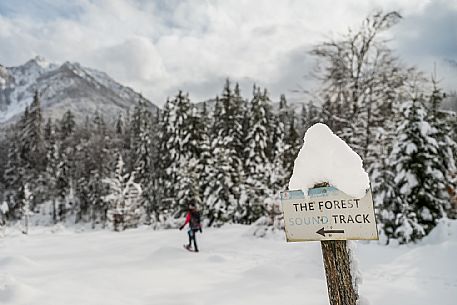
x=157 y=47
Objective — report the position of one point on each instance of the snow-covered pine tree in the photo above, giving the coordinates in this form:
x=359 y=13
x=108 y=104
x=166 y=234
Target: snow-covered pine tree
x=206 y=160
x=385 y=112
x=21 y=143
x=223 y=192
x=278 y=171
x=123 y=198
x=164 y=159
x=123 y=137
x=245 y=127
x=120 y=124
x=98 y=162
x=420 y=195
x=292 y=147
x=57 y=172
x=380 y=115
x=32 y=137
x=52 y=166
x=95 y=197
x=153 y=191
x=231 y=117
x=221 y=204
x=142 y=156
x=98 y=123
x=228 y=127
x=257 y=164
x=310 y=115
x=283 y=112
x=285 y=143
x=63 y=184
x=82 y=185
x=4 y=211
x=382 y=178
x=441 y=121
x=67 y=125
x=304 y=117
x=25 y=207
x=141 y=140
x=237 y=111
x=194 y=167
x=48 y=131
x=32 y=150
x=272 y=219
x=173 y=148
x=69 y=141
x=13 y=173
x=188 y=185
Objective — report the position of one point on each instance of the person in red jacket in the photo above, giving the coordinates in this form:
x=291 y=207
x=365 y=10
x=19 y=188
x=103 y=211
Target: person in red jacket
x=193 y=219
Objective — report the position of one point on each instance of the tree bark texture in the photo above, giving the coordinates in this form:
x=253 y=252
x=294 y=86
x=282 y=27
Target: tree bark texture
x=338 y=273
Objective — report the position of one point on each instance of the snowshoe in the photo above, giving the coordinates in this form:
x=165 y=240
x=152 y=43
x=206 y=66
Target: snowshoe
x=188 y=248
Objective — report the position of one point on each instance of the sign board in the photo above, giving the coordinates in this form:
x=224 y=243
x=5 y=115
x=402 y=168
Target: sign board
x=326 y=213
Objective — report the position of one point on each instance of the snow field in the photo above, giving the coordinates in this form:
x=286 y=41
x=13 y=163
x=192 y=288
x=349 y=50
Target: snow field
x=150 y=267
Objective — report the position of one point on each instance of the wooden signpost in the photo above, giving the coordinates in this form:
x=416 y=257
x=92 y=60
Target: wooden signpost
x=328 y=215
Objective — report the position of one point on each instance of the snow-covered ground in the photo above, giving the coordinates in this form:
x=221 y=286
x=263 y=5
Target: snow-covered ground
x=151 y=267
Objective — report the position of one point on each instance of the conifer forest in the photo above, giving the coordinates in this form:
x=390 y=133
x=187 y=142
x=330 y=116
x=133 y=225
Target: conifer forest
x=233 y=154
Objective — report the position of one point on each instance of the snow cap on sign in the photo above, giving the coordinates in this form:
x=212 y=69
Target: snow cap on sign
x=324 y=157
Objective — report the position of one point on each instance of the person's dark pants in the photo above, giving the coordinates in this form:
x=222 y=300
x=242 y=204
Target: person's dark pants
x=192 y=237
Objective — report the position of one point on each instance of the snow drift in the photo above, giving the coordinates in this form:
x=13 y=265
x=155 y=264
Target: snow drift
x=324 y=157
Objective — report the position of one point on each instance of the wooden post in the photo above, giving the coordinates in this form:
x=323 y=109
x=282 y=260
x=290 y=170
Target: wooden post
x=338 y=270
x=338 y=273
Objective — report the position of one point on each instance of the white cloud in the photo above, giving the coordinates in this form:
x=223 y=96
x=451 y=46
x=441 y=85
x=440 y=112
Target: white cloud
x=135 y=58
x=161 y=46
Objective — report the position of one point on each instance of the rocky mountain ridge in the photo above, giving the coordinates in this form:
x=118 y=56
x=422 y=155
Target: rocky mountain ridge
x=68 y=86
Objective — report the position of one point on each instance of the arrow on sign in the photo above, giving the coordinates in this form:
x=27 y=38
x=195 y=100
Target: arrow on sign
x=322 y=231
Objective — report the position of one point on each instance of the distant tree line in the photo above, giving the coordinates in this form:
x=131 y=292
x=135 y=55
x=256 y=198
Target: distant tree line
x=232 y=156
x=145 y=168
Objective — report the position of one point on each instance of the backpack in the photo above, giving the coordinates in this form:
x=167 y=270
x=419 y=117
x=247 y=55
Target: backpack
x=195 y=220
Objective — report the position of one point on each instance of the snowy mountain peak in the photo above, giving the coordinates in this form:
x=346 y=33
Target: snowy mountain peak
x=41 y=61
x=68 y=86
x=37 y=65
x=4 y=76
